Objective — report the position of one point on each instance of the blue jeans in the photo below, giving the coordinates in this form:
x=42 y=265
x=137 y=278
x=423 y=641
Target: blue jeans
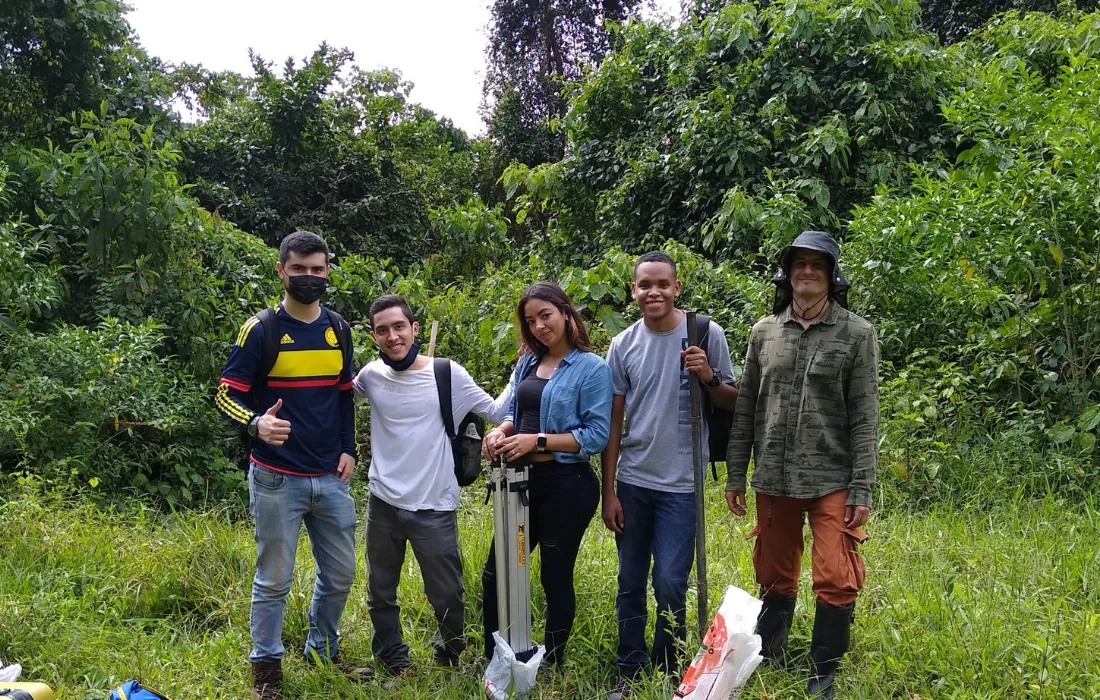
x=280 y=504
x=658 y=525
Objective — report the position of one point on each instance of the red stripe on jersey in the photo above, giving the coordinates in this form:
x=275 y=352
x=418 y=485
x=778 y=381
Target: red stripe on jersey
x=347 y=386
x=283 y=470
x=303 y=383
x=241 y=386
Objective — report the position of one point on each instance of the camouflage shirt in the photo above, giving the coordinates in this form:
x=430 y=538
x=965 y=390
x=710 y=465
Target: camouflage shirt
x=808 y=408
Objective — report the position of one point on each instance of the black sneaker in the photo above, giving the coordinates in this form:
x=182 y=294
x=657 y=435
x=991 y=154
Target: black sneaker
x=401 y=673
x=397 y=676
x=361 y=673
x=622 y=691
x=445 y=659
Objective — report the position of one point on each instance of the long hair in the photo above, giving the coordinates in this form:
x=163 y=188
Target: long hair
x=575 y=333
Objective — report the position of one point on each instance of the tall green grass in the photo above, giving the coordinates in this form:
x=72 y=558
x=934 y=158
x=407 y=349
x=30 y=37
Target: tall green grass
x=998 y=603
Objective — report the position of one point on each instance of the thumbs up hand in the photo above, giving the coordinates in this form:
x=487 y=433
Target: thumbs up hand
x=272 y=429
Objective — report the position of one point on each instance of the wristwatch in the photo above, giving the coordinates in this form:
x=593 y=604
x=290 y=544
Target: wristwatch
x=540 y=442
x=715 y=380
x=254 y=426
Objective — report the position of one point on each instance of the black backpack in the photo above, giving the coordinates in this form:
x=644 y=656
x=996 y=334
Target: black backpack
x=719 y=420
x=466 y=441
x=269 y=355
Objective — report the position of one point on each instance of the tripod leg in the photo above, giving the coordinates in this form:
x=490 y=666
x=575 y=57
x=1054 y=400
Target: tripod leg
x=513 y=555
x=512 y=562
x=521 y=593
x=500 y=541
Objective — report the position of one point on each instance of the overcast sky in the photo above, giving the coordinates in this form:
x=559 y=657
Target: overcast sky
x=438 y=45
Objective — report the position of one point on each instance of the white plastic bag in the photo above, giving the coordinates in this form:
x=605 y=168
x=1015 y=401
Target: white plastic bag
x=730 y=651
x=506 y=674
x=9 y=674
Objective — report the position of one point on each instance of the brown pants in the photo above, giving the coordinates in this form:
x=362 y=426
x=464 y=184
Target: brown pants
x=838 y=568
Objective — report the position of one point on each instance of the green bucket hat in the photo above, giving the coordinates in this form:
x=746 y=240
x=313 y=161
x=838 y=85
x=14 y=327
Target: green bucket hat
x=810 y=240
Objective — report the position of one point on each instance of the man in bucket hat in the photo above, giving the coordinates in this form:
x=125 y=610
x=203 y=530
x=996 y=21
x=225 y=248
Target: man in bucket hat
x=808 y=413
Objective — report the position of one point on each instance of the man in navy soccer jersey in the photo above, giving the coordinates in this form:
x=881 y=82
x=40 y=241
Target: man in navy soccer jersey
x=301 y=418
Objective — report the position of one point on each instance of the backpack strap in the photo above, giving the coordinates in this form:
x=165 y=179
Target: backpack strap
x=270 y=323
x=442 y=367
x=702 y=324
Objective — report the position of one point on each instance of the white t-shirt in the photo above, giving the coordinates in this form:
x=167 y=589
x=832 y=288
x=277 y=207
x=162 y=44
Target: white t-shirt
x=411 y=463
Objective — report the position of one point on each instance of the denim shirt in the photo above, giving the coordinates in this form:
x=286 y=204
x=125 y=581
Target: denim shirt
x=576 y=400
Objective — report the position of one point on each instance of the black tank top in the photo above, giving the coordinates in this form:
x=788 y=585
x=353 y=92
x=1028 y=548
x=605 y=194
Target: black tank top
x=529 y=404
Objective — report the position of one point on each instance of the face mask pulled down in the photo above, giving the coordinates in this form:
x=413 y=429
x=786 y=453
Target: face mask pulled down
x=403 y=364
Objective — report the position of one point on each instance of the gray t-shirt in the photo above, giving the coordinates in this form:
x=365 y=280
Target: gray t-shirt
x=647 y=369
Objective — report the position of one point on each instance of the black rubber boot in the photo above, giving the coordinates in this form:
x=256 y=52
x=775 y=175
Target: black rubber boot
x=832 y=633
x=774 y=627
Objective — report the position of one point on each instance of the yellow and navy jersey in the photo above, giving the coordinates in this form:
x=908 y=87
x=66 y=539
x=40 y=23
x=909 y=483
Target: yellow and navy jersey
x=313 y=377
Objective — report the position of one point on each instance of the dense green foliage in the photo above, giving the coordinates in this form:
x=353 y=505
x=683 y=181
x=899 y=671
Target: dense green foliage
x=739 y=130
x=1005 y=247
x=344 y=155
x=100 y=406
x=536 y=51
x=61 y=57
x=953 y=20
x=962 y=181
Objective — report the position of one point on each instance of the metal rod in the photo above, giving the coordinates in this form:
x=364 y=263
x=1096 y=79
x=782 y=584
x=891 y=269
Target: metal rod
x=696 y=389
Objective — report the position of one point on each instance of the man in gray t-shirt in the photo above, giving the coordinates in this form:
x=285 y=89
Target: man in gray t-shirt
x=647 y=369
x=651 y=506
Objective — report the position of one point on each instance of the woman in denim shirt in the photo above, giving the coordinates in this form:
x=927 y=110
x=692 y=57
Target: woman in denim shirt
x=560 y=417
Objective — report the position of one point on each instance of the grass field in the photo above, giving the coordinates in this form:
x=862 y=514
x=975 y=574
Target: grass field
x=1002 y=603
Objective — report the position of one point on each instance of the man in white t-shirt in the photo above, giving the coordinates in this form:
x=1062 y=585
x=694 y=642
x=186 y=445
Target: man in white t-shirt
x=413 y=489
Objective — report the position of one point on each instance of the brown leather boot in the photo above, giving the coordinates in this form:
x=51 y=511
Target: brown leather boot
x=267 y=680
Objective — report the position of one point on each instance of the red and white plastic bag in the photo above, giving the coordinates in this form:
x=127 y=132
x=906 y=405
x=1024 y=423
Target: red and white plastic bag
x=730 y=651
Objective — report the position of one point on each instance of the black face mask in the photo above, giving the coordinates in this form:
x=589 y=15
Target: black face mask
x=403 y=364
x=306 y=289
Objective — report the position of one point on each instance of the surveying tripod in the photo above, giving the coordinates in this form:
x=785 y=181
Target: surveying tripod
x=508 y=487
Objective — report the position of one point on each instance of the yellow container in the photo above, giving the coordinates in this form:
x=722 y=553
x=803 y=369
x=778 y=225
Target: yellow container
x=25 y=691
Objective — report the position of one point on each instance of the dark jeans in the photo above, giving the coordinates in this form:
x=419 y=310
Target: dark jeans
x=563 y=499
x=658 y=525
x=433 y=535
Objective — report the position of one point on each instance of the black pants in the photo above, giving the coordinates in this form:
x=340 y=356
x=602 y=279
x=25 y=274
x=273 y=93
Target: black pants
x=563 y=499
x=433 y=535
